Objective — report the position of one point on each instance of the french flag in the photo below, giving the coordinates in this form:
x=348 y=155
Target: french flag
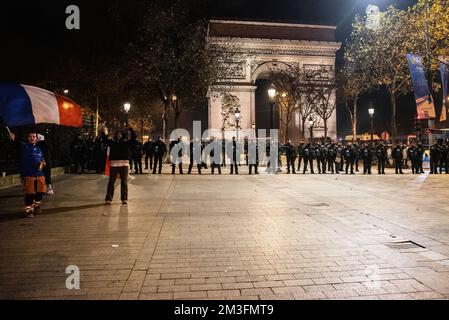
x=26 y=105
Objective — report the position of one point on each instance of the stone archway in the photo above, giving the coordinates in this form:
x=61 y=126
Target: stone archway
x=269 y=45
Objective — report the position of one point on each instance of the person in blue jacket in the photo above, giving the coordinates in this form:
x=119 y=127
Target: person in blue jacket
x=32 y=164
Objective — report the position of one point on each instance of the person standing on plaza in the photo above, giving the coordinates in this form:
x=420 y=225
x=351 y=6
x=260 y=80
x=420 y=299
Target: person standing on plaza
x=119 y=161
x=32 y=163
x=148 y=149
x=78 y=152
x=412 y=155
x=307 y=154
x=420 y=157
x=323 y=157
x=367 y=156
x=195 y=155
x=253 y=156
x=381 y=155
x=398 y=157
x=235 y=156
x=332 y=158
x=160 y=149
x=136 y=153
x=215 y=155
x=349 y=156
x=176 y=153
x=435 y=156
x=290 y=153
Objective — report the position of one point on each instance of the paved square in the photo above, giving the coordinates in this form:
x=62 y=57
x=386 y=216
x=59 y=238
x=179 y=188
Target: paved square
x=232 y=237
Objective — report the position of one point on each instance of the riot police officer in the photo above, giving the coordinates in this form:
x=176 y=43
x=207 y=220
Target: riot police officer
x=235 y=156
x=307 y=154
x=176 y=152
x=419 y=157
x=381 y=155
x=435 y=156
x=349 y=156
x=195 y=156
x=215 y=157
x=323 y=156
x=412 y=155
x=253 y=156
x=148 y=149
x=331 y=158
x=397 y=154
x=367 y=156
x=290 y=153
x=159 y=151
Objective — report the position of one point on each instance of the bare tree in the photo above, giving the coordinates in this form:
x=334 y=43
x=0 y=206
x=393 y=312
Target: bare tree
x=324 y=95
x=288 y=83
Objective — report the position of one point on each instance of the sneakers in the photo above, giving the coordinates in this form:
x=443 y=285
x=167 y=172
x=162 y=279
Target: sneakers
x=29 y=211
x=37 y=207
x=125 y=202
x=50 y=191
x=108 y=202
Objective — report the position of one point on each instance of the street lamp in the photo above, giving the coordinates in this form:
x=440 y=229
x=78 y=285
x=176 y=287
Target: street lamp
x=237 y=120
x=311 y=124
x=127 y=108
x=66 y=91
x=272 y=93
x=253 y=127
x=371 y=115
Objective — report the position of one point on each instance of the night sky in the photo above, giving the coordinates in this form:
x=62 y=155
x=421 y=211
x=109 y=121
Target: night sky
x=34 y=37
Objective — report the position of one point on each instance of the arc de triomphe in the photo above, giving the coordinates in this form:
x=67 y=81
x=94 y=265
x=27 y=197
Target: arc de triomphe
x=270 y=44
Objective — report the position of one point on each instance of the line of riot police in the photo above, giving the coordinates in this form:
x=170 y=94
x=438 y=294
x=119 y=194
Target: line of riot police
x=315 y=157
x=338 y=157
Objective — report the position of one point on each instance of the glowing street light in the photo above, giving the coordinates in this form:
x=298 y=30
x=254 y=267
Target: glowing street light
x=272 y=93
x=237 y=115
x=371 y=115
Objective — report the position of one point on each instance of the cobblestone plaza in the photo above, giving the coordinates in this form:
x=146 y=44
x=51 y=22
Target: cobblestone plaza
x=232 y=237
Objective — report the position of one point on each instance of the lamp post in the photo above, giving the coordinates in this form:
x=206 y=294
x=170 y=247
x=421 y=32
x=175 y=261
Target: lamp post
x=311 y=124
x=371 y=115
x=253 y=127
x=272 y=93
x=66 y=91
x=127 y=108
x=237 y=121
